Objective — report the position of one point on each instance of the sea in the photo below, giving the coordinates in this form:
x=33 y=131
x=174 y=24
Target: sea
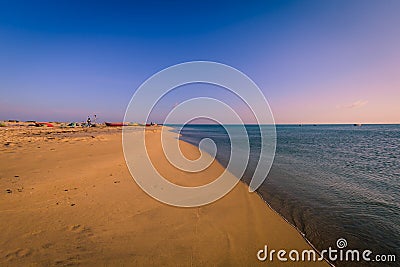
x=329 y=181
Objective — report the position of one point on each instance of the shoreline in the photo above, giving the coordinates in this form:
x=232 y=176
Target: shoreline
x=297 y=229
x=270 y=207
x=84 y=208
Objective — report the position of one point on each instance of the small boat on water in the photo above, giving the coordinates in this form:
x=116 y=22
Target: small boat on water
x=115 y=124
x=357 y=124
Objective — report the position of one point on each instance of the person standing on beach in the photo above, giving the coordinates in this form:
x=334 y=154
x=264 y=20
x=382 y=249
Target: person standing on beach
x=89 y=122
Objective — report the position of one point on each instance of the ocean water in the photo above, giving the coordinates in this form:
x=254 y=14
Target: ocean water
x=329 y=181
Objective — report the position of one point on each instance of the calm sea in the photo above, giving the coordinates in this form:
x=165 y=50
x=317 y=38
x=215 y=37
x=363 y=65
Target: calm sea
x=330 y=181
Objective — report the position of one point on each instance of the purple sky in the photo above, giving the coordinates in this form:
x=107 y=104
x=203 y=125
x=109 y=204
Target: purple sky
x=315 y=61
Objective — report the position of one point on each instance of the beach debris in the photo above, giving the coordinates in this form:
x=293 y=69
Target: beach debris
x=9 y=191
x=16 y=176
x=117 y=182
x=72 y=204
x=42 y=124
x=115 y=124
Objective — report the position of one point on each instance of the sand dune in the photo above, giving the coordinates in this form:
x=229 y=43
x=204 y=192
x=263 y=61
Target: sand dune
x=67 y=198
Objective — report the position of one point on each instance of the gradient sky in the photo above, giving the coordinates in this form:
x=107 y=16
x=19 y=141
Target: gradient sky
x=316 y=61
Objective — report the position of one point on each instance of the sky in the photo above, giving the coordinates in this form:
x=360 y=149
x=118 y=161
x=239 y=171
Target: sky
x=315 y=61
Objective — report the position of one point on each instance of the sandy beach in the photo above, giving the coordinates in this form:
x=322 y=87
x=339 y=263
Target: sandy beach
x=67 y=198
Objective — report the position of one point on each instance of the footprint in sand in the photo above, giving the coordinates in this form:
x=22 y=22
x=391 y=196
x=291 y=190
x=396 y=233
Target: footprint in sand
x=80 y=229
x=18 y=253
x=47 y=245
x=75 y=227
x=70 y=261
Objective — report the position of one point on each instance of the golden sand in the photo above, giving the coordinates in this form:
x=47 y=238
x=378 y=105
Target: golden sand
x=67 y=198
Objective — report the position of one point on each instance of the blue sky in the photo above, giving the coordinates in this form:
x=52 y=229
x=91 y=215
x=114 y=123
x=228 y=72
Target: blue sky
x=315 y=61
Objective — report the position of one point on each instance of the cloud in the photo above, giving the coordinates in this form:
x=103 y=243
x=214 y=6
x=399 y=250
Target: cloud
x=354 y=105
